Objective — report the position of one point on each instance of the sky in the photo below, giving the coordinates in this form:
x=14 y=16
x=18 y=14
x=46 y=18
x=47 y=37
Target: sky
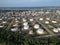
x=29 y=3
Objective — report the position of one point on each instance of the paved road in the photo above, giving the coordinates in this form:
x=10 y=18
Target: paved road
x=50 y=32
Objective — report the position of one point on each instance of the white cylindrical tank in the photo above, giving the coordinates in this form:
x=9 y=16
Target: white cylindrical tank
x=58 y=28
x=24 y=20
x=54 y=21
x=25 y=23
x=1 y=26
x=26 y=27
x=31 y=19
x=55 y=30
x=40 y=19
x=4 y=22
x=46 y=22
x=36 y=26
x=47 y=18
x=40 y=31
x=14 y=29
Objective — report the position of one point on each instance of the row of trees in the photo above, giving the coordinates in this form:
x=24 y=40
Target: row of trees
x=14 y=38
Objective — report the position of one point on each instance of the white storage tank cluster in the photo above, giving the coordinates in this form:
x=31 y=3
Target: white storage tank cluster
x=39 y=30
x=15 y=28
x=15 y=25
x=25 y=25
x=16 y=20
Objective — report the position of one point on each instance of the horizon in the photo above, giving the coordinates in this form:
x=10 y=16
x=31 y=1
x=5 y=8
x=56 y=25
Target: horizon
x=40 y=6
x=29 y=3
